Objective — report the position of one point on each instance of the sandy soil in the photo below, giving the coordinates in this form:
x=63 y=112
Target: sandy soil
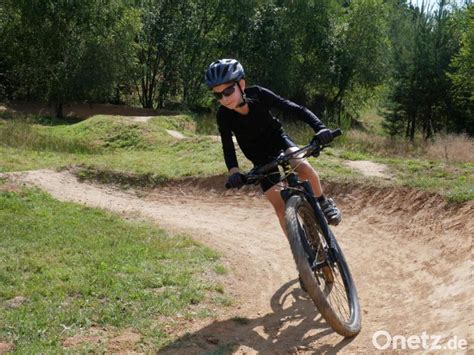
x=369 y=168
x=409 y=252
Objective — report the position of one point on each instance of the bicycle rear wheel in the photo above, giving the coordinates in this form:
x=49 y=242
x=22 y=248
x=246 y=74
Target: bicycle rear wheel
x=325 y=273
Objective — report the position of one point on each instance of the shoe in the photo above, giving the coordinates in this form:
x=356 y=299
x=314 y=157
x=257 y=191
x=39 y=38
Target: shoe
x=302 y=286
x=330 y=210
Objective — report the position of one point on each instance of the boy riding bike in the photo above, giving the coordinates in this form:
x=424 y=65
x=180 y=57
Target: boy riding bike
x=303 y=211
x=245 y=113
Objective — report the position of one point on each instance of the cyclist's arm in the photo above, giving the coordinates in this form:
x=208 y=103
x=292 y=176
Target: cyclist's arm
x=270 y=99
x=228 y=147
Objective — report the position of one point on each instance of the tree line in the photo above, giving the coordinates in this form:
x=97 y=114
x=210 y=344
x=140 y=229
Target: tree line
x=334 y=56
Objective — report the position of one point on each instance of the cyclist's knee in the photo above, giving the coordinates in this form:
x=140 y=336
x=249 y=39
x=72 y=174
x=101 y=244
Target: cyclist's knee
x=305 y=168
x=298 y=160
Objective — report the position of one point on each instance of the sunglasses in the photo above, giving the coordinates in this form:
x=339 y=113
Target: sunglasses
x=226 y=92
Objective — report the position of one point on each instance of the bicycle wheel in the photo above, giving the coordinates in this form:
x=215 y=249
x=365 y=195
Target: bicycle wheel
x=327 y=278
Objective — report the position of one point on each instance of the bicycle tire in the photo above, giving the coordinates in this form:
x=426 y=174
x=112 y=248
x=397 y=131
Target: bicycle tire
x=298 y=206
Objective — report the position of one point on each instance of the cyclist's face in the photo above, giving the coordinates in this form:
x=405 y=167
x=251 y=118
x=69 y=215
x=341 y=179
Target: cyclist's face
x=231 y=101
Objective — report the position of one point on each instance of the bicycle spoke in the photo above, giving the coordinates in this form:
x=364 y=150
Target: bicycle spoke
x=339 y=304
x=341 y=290
x=340 y=283
x=336 y=296
x=342 y=299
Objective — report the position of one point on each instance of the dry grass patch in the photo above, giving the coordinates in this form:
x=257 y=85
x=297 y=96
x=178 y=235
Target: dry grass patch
x=452 y=148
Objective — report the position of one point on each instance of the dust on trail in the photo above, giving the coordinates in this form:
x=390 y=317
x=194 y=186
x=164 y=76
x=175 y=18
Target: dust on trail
x=409 y=252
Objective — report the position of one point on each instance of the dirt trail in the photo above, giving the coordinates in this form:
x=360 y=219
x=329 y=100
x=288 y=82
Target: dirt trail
x=369 y=168
x=409 y=252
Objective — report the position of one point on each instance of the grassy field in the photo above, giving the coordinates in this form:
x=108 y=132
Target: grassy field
x=120 y=145
x=66 y=269
x=115 y=143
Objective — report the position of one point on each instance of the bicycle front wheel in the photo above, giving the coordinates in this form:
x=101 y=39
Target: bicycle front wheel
x=324 y=271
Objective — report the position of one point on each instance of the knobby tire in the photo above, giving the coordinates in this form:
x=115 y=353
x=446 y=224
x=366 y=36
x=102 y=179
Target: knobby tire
x=298 y=228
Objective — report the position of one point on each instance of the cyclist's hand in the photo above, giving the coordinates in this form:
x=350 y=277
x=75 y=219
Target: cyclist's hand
x=236 y=180
x=324 y=136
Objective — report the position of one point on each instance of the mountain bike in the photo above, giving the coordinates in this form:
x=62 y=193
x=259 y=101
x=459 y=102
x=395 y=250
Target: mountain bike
x=323 y=269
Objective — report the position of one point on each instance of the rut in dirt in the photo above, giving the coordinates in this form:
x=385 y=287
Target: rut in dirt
x=409 y=253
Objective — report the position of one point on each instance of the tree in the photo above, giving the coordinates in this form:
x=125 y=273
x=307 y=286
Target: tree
x=462 y=77
x=424 y=42
x=160 y=46
x=70 y=50
x=360 y=53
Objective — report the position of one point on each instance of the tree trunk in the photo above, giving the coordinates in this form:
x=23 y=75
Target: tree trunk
x=429 y=124
x=59 y=109
x=412 y=128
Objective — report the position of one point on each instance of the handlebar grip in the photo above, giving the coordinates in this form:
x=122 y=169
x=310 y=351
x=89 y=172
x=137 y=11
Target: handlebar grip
x=336 y=133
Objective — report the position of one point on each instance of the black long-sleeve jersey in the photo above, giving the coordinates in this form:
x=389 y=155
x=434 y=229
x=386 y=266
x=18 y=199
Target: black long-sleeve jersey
x=257 y=132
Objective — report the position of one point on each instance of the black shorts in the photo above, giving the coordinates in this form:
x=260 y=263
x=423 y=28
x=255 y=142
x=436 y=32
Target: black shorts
x=282 y=142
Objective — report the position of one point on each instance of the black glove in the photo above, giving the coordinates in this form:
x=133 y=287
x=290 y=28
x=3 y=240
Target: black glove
x=236 y=180
x=324 y=137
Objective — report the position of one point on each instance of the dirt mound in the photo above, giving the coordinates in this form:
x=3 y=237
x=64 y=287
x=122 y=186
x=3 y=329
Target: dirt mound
x=409 y=252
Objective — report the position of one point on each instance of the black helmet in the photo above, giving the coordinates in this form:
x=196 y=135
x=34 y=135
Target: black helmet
x=223 y=71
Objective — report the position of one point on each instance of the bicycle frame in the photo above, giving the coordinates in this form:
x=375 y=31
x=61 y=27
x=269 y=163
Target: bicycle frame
x=295 y=186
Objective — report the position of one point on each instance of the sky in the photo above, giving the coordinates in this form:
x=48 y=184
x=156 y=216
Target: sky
x=435 y=2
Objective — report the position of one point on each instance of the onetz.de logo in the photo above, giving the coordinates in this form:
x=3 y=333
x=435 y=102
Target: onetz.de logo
x=383 y=340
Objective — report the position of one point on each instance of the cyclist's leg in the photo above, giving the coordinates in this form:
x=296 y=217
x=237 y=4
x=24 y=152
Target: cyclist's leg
x=306 y=172
x=273 y=195
x=271 y=187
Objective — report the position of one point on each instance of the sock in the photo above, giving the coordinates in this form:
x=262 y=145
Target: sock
x=321 y=198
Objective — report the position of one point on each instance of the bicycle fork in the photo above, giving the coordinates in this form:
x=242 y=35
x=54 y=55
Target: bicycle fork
x=329 y=258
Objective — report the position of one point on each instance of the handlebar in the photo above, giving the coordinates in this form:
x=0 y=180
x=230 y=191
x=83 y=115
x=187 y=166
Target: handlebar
x=254 y=175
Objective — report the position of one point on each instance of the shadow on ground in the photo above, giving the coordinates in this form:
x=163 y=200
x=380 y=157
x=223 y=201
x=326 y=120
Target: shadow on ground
x=294 y=325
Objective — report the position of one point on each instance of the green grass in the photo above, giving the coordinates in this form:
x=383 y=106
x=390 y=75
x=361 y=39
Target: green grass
x=117 y=149
x=220 y=270
x=124 y=145
x=454 y=181
x=80 y=267
x=372 y=121
x=115 y=132
x=23 y=135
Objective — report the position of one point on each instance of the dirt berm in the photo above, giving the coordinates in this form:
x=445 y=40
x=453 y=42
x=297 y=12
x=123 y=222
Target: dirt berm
x=409 y=252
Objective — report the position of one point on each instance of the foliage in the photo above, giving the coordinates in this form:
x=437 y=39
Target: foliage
x=421 y=94
x=462 y=75
x=328 y=55
x=61 y=51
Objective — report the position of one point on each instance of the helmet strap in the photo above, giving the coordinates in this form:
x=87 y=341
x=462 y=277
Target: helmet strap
x=244 y=98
